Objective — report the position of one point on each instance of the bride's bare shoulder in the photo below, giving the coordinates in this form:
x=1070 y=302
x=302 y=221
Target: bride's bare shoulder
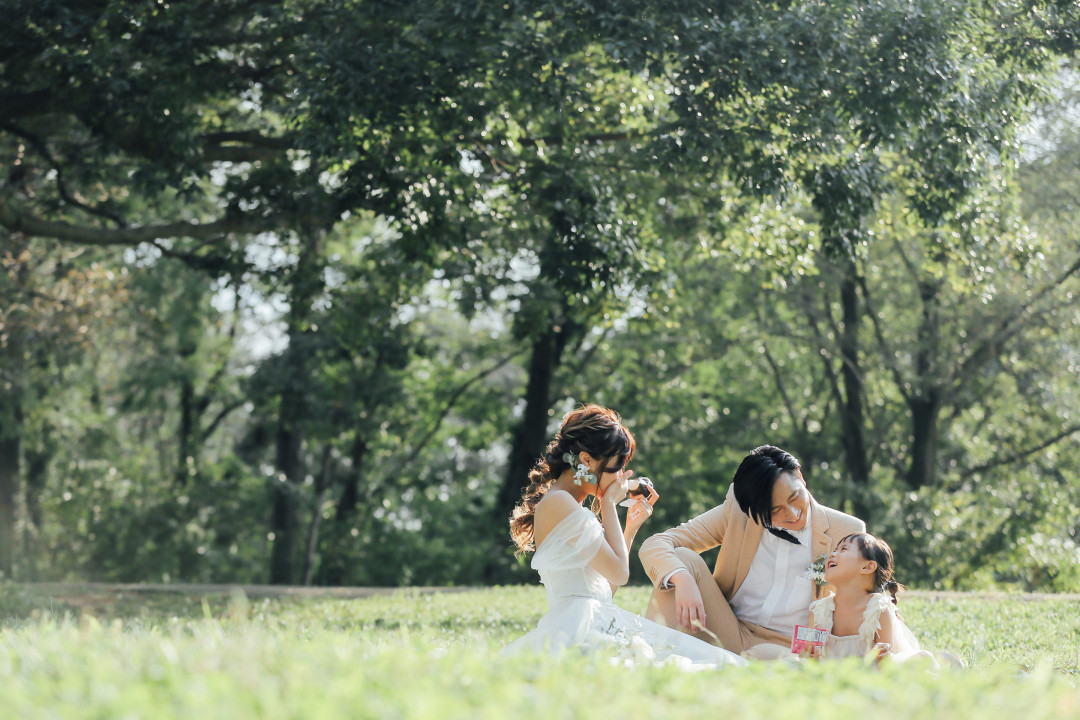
x=552 y=509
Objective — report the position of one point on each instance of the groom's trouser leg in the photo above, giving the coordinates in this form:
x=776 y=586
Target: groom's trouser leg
x=733 y=634
x=719 y=619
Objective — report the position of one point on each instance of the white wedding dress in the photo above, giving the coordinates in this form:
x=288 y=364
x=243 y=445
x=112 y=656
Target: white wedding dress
x=582 y=615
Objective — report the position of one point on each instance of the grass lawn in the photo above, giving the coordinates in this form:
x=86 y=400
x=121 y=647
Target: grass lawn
x=89 y=654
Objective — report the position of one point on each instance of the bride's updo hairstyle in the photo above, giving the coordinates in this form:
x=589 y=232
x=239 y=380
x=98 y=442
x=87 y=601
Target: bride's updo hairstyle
x=876 y=549
x=595 y=430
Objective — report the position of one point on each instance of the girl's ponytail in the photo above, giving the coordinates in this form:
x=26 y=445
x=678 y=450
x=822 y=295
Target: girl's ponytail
x=892 y=587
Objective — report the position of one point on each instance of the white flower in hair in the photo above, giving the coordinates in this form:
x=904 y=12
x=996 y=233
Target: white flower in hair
x=582 y=473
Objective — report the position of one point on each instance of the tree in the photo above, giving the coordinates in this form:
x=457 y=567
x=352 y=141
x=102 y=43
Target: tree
x=550 y=160
x=54 y=303
x=222 y=107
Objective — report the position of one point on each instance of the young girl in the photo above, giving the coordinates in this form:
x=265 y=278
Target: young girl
x=582 y=560
x=861 y=615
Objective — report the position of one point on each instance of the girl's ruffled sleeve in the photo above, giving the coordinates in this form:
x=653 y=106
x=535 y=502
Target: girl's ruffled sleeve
x=904 y=641
x=871 y=623
x=821 y=612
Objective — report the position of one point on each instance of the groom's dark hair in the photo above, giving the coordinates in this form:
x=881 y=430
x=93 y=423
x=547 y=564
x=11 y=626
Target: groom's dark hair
x=755 y=478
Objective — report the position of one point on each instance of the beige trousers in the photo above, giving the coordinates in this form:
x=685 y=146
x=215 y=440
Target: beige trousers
x=723 y=627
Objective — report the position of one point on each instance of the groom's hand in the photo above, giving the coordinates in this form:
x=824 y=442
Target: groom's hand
x=689 y=608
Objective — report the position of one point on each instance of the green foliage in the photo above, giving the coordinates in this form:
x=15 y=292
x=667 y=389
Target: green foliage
x=448 y=220
x=106 y=522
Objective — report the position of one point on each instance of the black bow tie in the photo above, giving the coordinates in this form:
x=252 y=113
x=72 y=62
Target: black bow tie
x=784 y=535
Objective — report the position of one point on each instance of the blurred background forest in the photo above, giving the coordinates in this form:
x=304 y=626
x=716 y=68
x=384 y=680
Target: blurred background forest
x=296 y=292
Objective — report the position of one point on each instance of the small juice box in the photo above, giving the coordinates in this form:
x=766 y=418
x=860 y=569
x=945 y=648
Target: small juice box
x=808 y=637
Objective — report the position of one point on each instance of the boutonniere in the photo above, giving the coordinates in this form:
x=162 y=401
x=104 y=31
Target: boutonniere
x=816 y=571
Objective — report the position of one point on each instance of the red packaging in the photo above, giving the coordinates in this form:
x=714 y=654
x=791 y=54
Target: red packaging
x=806 y=637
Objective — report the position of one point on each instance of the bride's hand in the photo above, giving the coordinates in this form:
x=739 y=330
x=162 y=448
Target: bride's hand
x=640 y=510
x=616 y=490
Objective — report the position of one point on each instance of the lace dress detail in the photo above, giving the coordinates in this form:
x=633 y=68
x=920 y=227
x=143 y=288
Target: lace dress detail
x=581 y=613
x=904 y=644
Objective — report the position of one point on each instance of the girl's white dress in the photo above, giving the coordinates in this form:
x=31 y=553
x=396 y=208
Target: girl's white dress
x=582 y=615
x=904 y=644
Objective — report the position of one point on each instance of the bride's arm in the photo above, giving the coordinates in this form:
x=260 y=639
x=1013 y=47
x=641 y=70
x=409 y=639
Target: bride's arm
x=640 y=511
x=628 y=537
x=613 y=559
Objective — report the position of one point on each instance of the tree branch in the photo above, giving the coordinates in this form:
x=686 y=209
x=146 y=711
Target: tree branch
x=1020 y=455
x=237 y=154
x=778 y=377
x=215 y=380
x=243 y=146
x=222 y=414
x=453 y=400
x=479 y=146
x=882 y=342
x=584 y=359
x=17 y=222
x=27 y=104
x=249 y=137
x=1009 y=327
x=597 y=137
x=823 y=353
x=61 y=186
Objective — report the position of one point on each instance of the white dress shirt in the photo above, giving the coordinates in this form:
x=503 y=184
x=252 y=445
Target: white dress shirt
x=777 y=590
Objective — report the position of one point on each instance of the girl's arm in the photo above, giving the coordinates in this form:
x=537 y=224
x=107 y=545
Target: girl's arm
x=884 y=637
x=813 y=651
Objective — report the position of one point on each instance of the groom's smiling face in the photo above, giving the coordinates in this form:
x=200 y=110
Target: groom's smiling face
x=790 y=501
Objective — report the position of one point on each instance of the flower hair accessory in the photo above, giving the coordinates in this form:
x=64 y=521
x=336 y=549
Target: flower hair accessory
x=582 y=473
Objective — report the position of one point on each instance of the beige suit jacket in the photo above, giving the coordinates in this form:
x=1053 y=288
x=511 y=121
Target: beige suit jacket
x=738 y=536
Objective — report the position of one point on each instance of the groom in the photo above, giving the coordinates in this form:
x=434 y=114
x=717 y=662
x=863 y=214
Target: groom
x=769 y=529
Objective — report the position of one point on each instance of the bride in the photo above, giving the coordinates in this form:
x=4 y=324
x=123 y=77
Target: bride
x=582 y=560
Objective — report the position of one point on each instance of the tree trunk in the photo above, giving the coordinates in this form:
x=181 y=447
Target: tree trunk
x=186 y=430
x=322 y=486
x=346 y=517
x=350 y=491
x=925 y=412
x=531 y=434
x=37 y=473
x=287 y=488
x=11 y=431
x=852 y=420
x=925 y=400
x=285 y=515
x=36 y=461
